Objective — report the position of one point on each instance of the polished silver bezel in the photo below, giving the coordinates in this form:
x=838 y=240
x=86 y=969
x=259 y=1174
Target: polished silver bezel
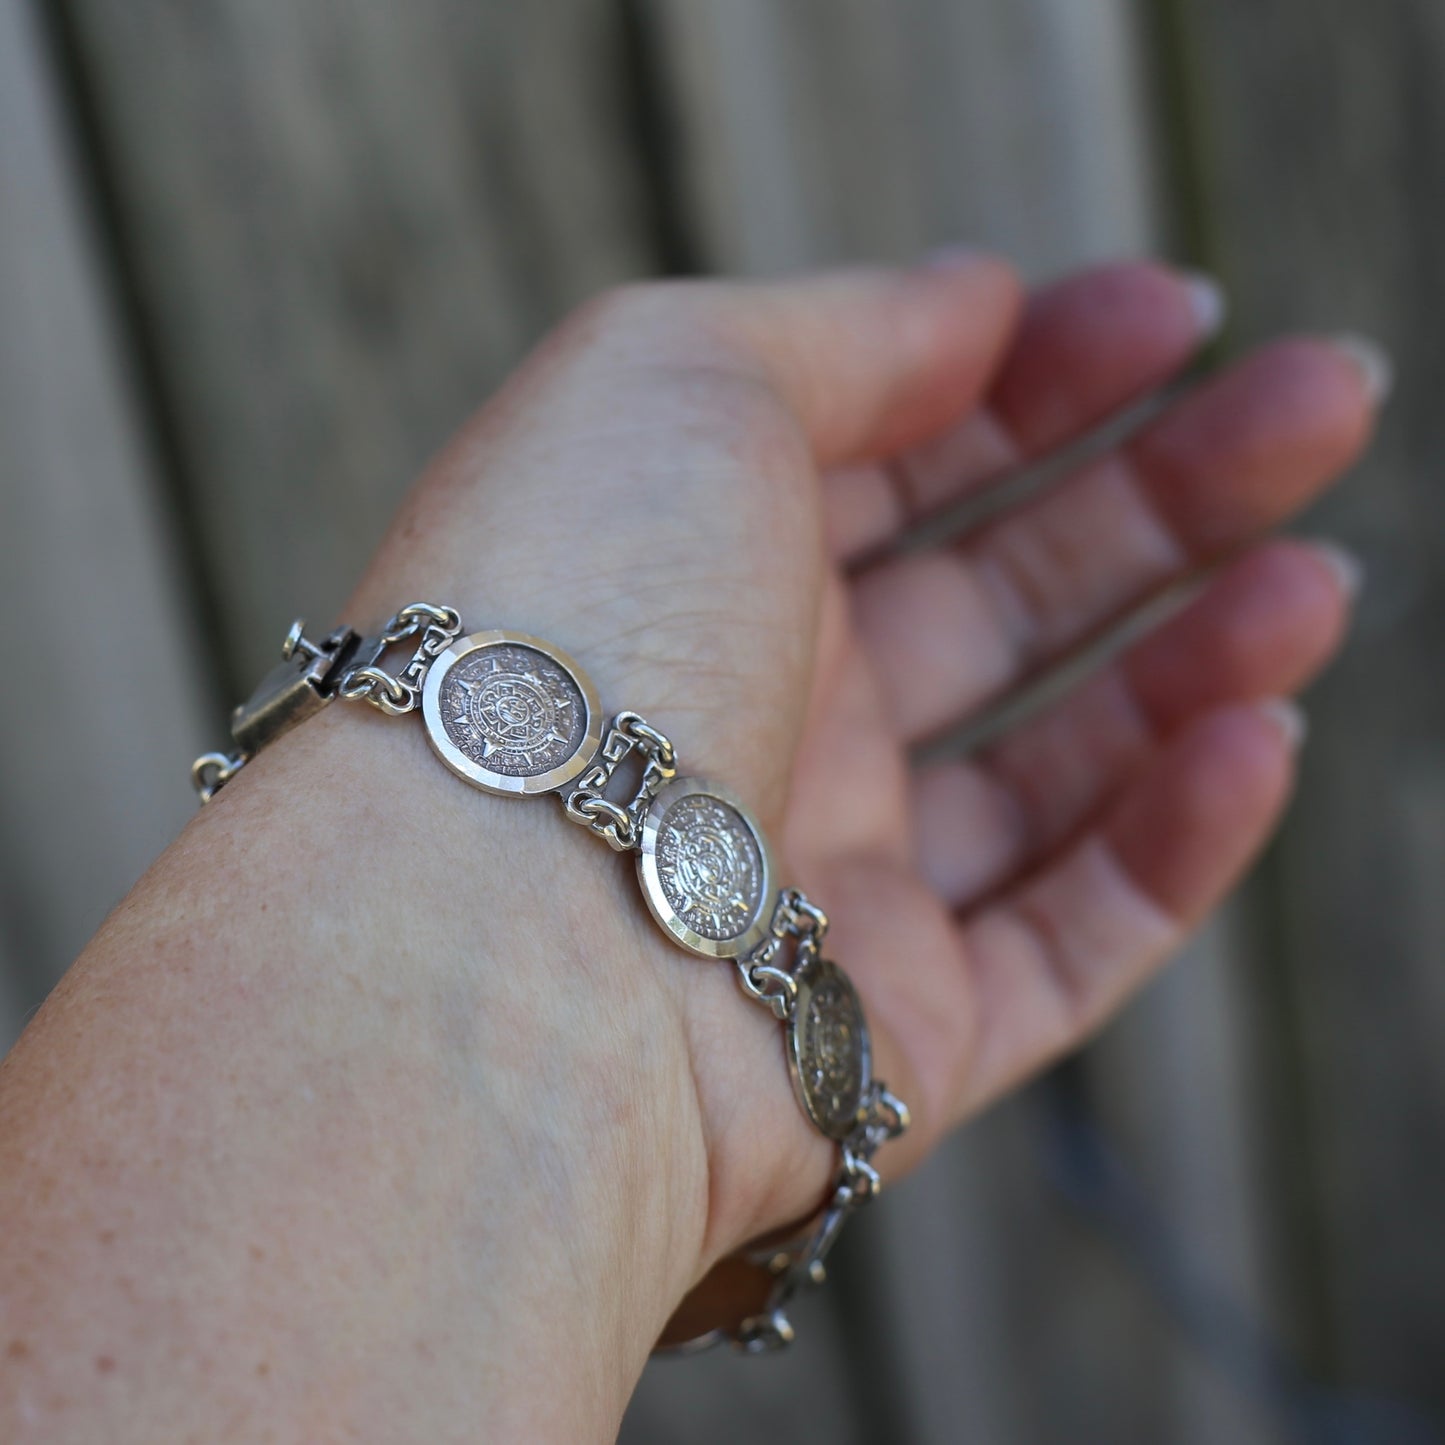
x=480 y=776
x=656 y=896
x=835 y=1123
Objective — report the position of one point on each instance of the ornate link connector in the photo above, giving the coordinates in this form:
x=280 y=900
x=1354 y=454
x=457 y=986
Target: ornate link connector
x=620 y=824
x=367 y=681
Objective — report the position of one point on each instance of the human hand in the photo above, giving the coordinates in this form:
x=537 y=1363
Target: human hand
x=675 y=490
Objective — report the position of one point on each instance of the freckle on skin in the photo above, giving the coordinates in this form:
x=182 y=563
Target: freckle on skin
x=257 y=1252
x=263 y=1368
x=107 y=1236
x=104 y=1364
x=18 y=1350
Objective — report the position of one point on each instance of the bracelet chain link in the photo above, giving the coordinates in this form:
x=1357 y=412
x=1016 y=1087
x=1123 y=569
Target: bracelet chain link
x=617 y=824
x=370 y=682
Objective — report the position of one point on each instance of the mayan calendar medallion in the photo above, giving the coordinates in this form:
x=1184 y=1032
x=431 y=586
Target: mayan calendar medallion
x=511 y=713
x=705 y=870
x=828 y=1048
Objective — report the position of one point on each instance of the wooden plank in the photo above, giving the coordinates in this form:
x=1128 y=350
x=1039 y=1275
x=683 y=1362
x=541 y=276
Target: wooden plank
x=105 y=712
x=820 y=129
x=1322 y=131
x=823 y=129
x=346 y=226
x=1183 y=1087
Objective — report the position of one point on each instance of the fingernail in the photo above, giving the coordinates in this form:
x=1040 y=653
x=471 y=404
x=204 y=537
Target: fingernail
x=949 y=258
x=1288 y=717
x=1348 y=569
x=1377 y=371
x=1207 y=301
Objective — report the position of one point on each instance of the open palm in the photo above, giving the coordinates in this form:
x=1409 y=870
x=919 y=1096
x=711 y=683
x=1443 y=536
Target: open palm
x=1012 y=899
x=679 y=489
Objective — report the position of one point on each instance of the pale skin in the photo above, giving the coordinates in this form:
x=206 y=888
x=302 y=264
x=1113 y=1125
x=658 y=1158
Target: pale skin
x=381 y=1110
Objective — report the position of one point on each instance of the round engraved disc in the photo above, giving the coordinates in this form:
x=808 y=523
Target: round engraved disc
x=511 y=713
x=829 y=1051
x=705 y=869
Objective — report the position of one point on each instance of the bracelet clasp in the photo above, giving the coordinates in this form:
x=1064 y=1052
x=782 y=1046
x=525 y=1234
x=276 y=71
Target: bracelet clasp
x=295 y=689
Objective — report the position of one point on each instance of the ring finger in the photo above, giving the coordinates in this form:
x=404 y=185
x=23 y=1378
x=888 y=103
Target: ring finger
x=1260 y=629
x=948 y=629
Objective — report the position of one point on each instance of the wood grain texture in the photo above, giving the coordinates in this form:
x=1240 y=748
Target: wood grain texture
x=347 y=223
x=104 y=710
x=821 y=129
x=1325 y=203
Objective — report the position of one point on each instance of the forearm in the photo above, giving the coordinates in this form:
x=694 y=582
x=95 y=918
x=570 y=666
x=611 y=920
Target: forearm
x=318 y=1139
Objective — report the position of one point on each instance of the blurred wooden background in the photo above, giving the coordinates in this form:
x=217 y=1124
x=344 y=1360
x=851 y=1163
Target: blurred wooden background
x=257 y=258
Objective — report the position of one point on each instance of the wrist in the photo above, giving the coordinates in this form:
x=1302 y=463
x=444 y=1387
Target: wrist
x=426 y=1130
x=568 y=1179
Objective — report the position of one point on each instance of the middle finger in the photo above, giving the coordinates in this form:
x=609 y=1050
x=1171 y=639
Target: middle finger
x=949 y=629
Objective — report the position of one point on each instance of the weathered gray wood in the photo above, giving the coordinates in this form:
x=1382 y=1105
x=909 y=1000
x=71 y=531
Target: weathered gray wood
x=818 y=129
x=347 y=224
x=1325 y=212
x=103 y=711
x=1183 y=1088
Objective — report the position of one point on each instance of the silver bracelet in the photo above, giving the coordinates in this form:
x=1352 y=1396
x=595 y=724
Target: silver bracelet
x=512 y=714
